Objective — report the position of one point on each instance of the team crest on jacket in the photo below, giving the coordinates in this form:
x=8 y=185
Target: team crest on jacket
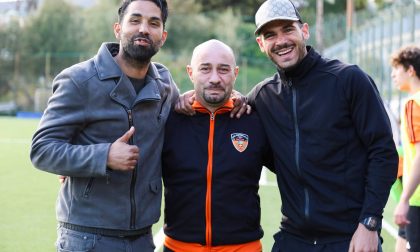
x=240 y=141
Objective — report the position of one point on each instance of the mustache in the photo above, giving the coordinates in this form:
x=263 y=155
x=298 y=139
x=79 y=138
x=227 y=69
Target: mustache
x=281 y=46
x=214 y=86
x=141 y=36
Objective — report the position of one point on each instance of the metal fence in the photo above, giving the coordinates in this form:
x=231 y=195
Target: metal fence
x=371 y=41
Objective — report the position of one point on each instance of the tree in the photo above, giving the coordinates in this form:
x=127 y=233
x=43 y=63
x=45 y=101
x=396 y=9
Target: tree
x=10 y=47
x=52 y=39
x=246 y=7
x=187 y=26
x=98 y=24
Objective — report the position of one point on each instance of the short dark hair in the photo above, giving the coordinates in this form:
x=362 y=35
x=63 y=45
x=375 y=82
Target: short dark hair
x=162 y=4
x=407 y=56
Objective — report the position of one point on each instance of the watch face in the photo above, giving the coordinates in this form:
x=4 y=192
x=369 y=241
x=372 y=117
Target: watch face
x=372 y=222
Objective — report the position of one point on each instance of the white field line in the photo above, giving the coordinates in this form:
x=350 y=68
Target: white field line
x=158 y=240
x=390 y=229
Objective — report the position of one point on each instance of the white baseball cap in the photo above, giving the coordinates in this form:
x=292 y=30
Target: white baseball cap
x=272 y=10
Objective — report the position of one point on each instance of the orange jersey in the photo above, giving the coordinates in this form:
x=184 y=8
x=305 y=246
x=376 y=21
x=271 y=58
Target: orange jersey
x=410 y=136
x=412 y=114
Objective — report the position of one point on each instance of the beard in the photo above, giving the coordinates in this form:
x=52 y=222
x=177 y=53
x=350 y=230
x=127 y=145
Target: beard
x=289 y=66
x=214 y=100
x=140 y=55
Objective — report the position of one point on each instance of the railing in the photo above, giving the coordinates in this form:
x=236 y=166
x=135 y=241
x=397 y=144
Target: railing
x=370 y=44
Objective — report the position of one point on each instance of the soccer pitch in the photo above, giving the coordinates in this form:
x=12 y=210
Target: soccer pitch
x=27 y=212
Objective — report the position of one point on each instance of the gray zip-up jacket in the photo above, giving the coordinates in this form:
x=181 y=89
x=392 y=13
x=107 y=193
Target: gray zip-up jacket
x=93 y=104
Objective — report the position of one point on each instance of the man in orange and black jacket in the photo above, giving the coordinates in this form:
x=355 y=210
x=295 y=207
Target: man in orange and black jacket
x=212 y=163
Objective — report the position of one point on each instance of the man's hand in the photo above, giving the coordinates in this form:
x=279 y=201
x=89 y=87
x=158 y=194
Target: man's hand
x=61 y=179
x=184 y=103
x=364 y=240
x=123 y=156
x=240 y=105
x=400 y=214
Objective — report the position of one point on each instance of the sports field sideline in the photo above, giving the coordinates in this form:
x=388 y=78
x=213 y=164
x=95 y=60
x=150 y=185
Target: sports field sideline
x=27 y=196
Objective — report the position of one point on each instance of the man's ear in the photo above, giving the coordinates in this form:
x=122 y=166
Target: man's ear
x=164 y=37
x=260 y=42
x=117 y=31
x=236 y=71
x=190 y=72
x=411 y=71
x=305 y=31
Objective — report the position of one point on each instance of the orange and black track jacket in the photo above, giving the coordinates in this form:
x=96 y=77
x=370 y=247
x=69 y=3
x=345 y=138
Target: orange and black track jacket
x=211 y=169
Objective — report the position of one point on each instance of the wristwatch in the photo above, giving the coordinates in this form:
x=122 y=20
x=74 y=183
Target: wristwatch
x=371 y=223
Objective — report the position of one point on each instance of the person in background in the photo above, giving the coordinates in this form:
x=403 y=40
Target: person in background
x=396 y=190
x=103 y=130
x=211 y=179
x=406 y=76
x=334 y=153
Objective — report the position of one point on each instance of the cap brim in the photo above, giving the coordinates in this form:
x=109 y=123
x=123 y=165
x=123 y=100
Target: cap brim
x=257 y=31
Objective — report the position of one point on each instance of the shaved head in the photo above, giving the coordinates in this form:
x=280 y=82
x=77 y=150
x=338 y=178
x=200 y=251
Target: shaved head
x=213 y=72
x=212 y=46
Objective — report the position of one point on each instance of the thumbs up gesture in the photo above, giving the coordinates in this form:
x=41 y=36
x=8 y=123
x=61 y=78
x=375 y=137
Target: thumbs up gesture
x=121 y=155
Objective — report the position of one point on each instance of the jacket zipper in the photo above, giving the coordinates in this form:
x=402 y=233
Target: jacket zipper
x=133 y=178
x=209 y=180
x=297 y=148
x=88 y=187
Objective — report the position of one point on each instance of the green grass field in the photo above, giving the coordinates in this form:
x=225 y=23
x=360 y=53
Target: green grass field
x=27 y=196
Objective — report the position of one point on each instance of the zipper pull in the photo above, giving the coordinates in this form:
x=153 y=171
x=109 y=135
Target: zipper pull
x=130 y=117
x=212 y=116
x=130 y=124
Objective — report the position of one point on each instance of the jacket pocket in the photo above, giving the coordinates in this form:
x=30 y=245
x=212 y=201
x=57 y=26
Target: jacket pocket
x=155 y=186
x=70 y=240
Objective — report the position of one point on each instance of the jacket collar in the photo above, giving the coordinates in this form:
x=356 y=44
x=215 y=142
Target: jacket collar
x=124 y=92
x=307 y=63
x=227 y=107
x=104 y=61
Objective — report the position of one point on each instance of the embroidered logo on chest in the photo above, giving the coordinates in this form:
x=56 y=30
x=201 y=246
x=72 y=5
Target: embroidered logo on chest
x=239 y=141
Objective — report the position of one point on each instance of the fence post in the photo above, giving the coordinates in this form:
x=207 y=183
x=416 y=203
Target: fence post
x=413 y=21
x=349 y=30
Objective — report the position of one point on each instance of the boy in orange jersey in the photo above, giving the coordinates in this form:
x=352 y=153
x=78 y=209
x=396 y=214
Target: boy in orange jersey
x=406 y=76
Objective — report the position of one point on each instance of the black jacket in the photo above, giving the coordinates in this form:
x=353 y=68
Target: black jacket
x=209 y=183
x=332 y=141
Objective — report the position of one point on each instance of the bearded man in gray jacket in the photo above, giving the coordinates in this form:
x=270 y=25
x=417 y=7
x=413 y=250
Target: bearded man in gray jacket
x=103 y=129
